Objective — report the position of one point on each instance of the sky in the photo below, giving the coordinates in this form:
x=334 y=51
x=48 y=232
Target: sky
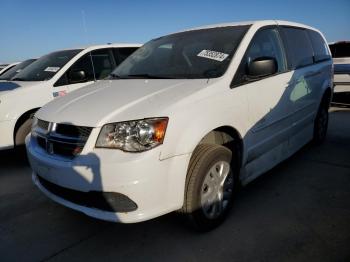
x=31 y=28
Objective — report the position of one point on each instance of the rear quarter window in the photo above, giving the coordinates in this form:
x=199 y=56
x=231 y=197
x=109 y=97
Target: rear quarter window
x=298 y=45
x=319 y=46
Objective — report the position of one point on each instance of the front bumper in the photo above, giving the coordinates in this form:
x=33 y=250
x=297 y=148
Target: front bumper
x=156 y=187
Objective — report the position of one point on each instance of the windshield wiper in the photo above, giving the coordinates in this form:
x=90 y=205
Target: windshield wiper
x=148 y=76
x=114 y=76
x=17 y=79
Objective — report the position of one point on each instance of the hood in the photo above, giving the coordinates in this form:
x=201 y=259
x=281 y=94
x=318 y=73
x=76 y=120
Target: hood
x=118 y=100
x=8 y=86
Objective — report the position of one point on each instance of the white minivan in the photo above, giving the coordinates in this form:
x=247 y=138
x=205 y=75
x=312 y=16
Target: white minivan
x=5 y=67
x=51 y=76
x=185 y=119
x=9 y=74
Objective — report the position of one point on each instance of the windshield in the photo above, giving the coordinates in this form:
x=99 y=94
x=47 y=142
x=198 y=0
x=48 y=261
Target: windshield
x=340 y=50
x=16 y=69
x=46 y=66
x=204 y=53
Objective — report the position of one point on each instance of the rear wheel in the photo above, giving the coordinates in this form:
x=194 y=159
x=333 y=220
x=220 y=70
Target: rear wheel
x=321 y=122
x=209 y=186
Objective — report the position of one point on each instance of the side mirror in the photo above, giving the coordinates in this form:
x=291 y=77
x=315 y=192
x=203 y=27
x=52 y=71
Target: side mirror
x=262 y=66
x=77 y=76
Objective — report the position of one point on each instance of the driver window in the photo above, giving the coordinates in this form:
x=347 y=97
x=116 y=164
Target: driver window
x=266 y=43
x=83 y=64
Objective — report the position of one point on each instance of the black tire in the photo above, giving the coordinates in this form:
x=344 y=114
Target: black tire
x=204 y=159
x=23 y=130
x=321 y=122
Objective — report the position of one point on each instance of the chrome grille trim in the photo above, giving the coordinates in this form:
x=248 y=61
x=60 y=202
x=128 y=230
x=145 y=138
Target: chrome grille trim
x=68 y=143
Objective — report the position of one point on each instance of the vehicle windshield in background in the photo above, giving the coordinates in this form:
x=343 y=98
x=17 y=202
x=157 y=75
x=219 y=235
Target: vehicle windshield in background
x=16 y=69
x=47 y=66
x=203 y=53
x=340 y=50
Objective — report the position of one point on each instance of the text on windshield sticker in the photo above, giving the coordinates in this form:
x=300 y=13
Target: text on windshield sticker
x=218 y=56
x=53 y=69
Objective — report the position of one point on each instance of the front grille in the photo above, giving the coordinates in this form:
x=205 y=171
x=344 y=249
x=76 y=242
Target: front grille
x=73 y=131
x=61 y=139
x=108 y=201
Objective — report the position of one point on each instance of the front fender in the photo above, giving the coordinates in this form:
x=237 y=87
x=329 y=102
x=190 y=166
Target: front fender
x=188 y=126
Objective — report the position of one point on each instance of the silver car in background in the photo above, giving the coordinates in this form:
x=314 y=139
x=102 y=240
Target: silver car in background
x=341 y=59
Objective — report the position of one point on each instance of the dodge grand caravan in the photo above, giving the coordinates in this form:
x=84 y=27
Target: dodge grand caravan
x=183 y=121
x=50 y=76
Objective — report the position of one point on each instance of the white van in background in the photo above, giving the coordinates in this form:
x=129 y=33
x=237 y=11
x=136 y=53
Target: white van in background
x=183 y=120
x=9 y=74
x=51 y=76
x=2 y=66
x=5 y=67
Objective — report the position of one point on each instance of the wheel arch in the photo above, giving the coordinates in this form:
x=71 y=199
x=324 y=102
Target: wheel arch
x=327 y=95
x=227 y=136
x=21 y=120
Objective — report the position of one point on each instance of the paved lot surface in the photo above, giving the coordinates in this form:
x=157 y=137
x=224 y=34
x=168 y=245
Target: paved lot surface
x=299 y=211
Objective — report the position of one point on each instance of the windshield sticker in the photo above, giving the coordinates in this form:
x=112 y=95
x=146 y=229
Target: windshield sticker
x=214 y=55
x=59 y=93
x=52 y=69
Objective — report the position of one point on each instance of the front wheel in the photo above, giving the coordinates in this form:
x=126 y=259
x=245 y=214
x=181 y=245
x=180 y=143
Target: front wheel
x=209 y=186
x=23 y=130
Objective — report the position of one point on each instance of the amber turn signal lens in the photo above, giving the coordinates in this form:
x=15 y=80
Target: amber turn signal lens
x=159 y=130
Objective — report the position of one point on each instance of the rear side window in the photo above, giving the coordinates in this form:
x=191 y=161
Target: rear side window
x=120 y=54
x=299 y=47
x=319 y=46
x=340 y=50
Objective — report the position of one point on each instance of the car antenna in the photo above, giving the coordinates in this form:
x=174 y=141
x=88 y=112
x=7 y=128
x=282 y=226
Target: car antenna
x=87 y=41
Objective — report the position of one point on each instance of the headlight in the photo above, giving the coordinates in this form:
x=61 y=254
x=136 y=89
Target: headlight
x=133 y=136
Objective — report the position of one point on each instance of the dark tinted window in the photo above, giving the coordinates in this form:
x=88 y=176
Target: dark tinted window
x=16 y=69
x=341 y=68
x=319 y=46
x=83 y=64
x=103 y=63
x=340 y=50
x=120 y=54
x=265 y=43
x=299 y=47
x=46 y=66
x=203 y=53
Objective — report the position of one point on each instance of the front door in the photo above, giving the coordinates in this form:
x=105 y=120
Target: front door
x=270 y=110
